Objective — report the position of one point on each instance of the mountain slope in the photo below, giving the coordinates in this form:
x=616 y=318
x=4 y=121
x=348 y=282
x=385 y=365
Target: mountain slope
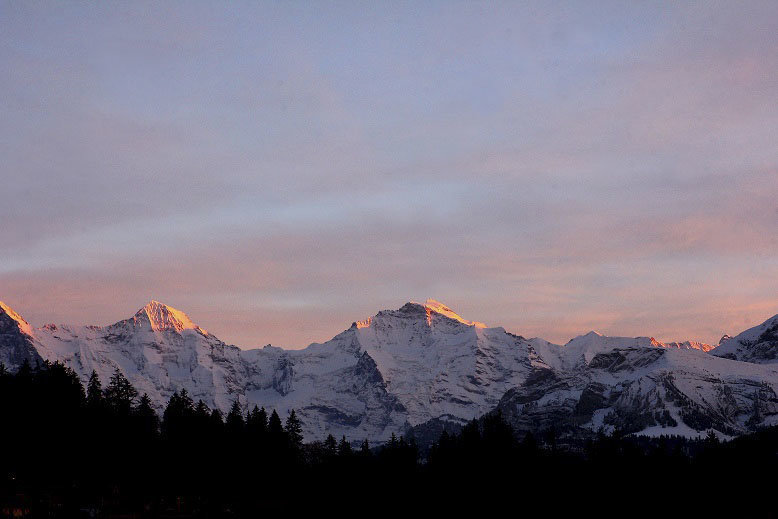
x=159 y=349
x=423 y=360
x=382 y=375
x=652 y=390
x=16 y=343
x=423 y=364
x=758 y=344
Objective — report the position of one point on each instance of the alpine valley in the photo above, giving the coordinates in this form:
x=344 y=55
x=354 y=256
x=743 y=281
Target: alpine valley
x=423 y=368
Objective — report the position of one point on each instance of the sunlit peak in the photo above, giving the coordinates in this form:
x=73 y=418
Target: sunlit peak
x=440 y=308
x=162 y=317
x=24 y=326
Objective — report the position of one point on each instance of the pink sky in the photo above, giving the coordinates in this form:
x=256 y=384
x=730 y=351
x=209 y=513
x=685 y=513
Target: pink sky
x=278 y=171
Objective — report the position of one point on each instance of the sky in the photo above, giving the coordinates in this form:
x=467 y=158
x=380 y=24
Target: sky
x=278 y=170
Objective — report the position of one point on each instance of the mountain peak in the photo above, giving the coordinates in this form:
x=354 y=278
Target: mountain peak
x=24 y=326
x=440 y=308
x=162 y=317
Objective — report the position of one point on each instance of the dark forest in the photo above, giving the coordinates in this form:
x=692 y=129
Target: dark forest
x=103 y=451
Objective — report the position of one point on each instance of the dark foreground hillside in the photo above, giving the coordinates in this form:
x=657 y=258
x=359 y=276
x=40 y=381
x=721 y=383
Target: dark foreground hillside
x=102 y=451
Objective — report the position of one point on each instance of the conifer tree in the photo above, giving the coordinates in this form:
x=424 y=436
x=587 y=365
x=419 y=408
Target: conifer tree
x=274 y=425
x=364 y=449
x=201 y=410
x=254 y=425
x=216 y=420
x=94 y=392
x=330 y=446
x=149 y=420
x=120 y=395
x=25 y=370
x=276 y=437
x=186 y=402
x=178 y=412
x=144 y=407
x=235 y=421
x=256 y=422
x=294 y=430
x=172 y=407
x=261 y=420
x=344 y=448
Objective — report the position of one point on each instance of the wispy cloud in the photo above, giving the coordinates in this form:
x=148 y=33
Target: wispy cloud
x=279 y=171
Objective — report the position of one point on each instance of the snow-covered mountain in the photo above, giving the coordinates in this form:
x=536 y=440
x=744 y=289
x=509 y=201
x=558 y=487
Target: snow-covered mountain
x=159 y=349
x=636 y=385
x=758 y=344
x=423 y=362
x=16 y=344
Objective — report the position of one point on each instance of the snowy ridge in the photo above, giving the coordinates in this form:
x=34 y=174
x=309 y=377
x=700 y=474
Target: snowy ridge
x=758 y=344
x=16 y=342
x=439 y=308
x=402 y=368
x=23 y=325
x=688 y=345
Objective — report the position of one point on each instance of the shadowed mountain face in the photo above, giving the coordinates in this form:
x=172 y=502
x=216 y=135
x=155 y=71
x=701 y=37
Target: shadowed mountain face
x=418 y=365
x=16 y=343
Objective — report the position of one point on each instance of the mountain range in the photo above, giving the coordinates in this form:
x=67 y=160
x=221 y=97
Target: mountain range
x=423 y=367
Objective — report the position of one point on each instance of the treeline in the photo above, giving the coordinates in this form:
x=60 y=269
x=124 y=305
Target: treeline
x=69 y=448
x=70 y=451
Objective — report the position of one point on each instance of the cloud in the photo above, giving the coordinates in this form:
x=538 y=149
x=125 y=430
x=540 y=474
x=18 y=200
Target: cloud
x=282 y=172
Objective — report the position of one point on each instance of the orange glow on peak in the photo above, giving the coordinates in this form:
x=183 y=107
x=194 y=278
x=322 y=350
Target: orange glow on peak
x=24 y=326
x=432 y=305
x=364 y=324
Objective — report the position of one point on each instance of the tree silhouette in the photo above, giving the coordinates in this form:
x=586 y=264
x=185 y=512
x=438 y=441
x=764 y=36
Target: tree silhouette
x=294 y=430
x=256 y=425
x=235 y=421
x=344 y=448
x=149 y=421
x=94 y=392
x=123 y=464
x=201 y=410
x=275 y=428
x=364 y=449
x=330 y=446
x=120 y=395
